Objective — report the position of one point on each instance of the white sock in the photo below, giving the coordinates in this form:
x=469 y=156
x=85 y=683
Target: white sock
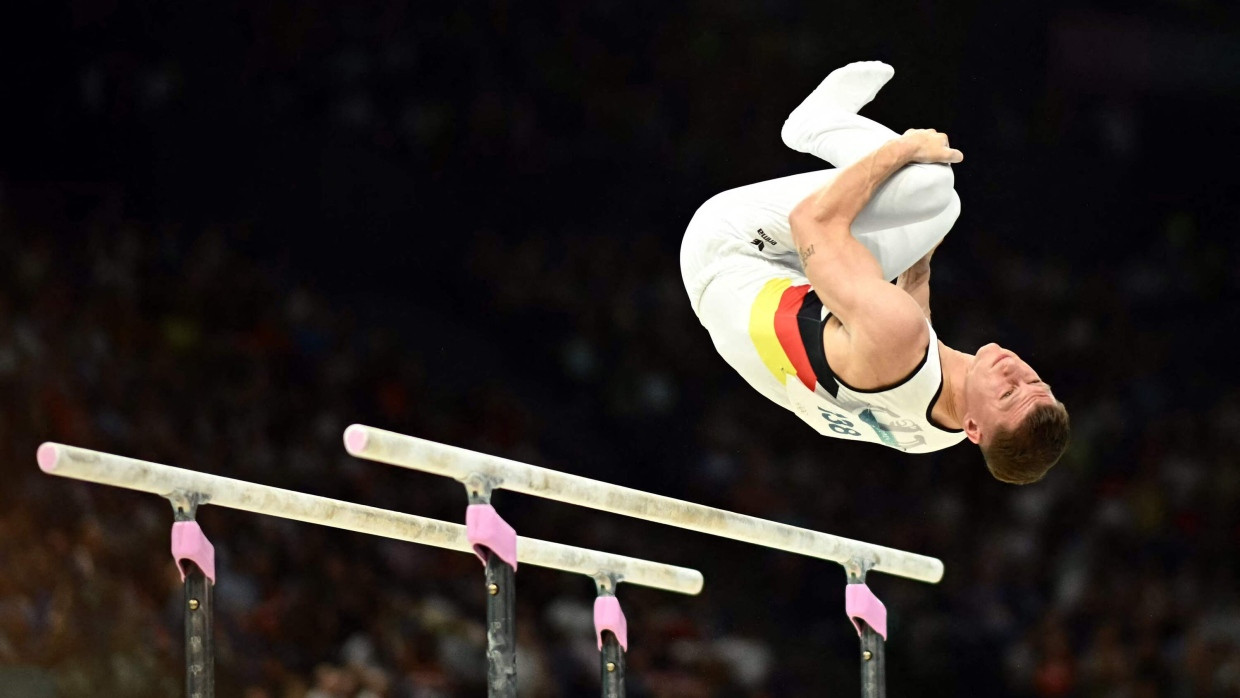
x=826 y=123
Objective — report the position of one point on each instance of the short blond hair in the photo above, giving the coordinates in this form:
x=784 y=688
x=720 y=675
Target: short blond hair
x=1023 y=455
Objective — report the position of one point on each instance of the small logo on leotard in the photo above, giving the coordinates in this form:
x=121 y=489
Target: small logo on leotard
x=759 y=243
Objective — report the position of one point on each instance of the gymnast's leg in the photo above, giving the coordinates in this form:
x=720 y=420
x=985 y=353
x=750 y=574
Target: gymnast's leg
x=826 y=124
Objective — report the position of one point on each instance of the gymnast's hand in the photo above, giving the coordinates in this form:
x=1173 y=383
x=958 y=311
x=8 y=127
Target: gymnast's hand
x=928 y=145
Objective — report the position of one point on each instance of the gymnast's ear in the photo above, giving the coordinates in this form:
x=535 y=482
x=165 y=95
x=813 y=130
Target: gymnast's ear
x=972 y=430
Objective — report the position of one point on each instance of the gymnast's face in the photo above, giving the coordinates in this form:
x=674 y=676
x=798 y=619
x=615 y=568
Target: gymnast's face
x=1000 y=389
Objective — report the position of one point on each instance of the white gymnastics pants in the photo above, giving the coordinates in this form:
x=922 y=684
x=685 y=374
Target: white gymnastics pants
x=739 y=242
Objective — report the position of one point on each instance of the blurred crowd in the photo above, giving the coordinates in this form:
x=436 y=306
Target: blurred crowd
x=465 y=227
x=1113 y=577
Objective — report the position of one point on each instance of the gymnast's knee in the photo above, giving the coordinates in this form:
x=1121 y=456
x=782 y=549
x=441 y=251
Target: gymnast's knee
x=926 y=187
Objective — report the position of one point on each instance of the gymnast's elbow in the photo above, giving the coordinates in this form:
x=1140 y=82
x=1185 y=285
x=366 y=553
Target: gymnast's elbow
x=809 y=213
x=813 y=225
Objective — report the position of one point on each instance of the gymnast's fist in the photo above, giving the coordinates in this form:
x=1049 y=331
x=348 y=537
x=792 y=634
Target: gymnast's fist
x=928 y=145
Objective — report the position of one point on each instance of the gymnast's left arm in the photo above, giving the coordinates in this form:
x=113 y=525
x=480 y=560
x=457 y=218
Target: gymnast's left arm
x=915 y=281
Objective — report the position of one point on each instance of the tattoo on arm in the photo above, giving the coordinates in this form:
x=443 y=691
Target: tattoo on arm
x=806 y=252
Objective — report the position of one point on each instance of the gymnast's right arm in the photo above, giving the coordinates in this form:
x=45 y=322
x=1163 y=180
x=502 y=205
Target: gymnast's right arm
x=881 y=323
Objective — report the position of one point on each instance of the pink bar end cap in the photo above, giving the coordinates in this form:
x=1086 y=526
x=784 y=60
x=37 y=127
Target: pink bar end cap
x=190 y=543
x=861 y=603
x=355 y=439
x=47 y=456
x=485 y=530
x=608 y=616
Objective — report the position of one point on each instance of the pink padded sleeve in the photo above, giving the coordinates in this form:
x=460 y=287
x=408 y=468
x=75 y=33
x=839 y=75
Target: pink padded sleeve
x=485 y=529
x=861 y=604
x=190 y=543
x=608 y=616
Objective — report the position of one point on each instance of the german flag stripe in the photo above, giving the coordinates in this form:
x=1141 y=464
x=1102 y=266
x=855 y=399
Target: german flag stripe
x=775 y=332
x=762 y=328
x=811 y=325
x=789 y=334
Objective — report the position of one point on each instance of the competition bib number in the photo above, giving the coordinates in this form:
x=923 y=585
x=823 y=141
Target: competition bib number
x=838 y=423
x=876 y=421
x=826 y=418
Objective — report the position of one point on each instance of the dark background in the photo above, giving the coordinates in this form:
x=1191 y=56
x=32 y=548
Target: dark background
x=228 y=230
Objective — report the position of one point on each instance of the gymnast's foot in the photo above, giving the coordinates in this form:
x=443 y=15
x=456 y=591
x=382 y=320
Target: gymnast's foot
x=846 y=89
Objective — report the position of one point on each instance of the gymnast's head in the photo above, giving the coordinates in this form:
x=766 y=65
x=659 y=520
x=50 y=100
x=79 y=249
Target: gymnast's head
x=1013 y=416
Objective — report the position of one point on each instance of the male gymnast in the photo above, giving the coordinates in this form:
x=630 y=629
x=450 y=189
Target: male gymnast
x=790 y=277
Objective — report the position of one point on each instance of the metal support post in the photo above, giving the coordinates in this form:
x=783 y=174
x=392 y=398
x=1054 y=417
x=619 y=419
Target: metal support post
x=199 y=638
x=501 y=628
x=873 y=664
x=612 y=666
x=195 y=559
x=869 y=617
x=611 y=629
x=495 y=543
